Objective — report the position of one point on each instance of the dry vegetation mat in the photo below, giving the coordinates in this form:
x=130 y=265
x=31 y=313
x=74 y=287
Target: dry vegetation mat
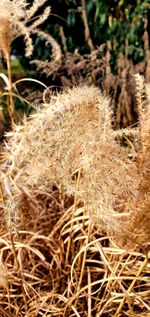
x=75 y=210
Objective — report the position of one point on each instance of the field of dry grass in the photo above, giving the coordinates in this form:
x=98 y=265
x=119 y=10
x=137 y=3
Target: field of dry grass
x=74 y=182
x=75 y=211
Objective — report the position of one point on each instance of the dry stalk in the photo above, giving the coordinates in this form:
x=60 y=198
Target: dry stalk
x=5 y=47
x=63 y=40
x=71 y=228
x=108 y=75
x=86 y=26
x=10 y=97
x=144 y=264
x=147 y=51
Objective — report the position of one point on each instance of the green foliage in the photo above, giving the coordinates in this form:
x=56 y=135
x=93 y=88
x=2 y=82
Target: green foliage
x=118 y=21
x=17 y=69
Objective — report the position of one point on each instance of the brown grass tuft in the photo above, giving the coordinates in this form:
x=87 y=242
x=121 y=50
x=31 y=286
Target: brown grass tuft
x=78 y=142
x=77 y=194
x=79 y=153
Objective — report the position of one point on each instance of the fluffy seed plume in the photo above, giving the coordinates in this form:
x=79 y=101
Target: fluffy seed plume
x=71 y=143
x=14 y=16
x=5 y=38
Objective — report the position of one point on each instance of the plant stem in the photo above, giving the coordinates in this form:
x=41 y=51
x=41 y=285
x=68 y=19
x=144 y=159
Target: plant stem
x=10 y=96
x=86 y=26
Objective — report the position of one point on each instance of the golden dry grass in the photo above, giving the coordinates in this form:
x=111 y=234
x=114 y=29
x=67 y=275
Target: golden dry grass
x=75 y=209
x=72 y=271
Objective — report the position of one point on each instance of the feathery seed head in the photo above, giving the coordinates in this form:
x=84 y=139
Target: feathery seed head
x=5 y=35
x=70 y=143
x=77 y=141
x=17 y=13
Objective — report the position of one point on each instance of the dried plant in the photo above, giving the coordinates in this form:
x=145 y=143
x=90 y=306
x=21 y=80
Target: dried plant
x=146 y=51
x=2 y=123
x=123 y=108
x=15 y=16
x=87 y=34
x=108 y=78
x=62 y=170
x=78 y=153
x=94 y=68
x=140 y=210
x=76 y=69
x=49 y=67
x=93 y=281
x=74 y=123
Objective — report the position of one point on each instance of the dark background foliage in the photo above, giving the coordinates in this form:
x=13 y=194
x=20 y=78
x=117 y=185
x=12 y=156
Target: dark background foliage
x=120 y=21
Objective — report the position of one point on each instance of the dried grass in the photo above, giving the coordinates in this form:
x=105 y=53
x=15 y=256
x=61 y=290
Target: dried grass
x=76 y=205
x=95 y=279
x=15 y=16
x=49 y=66
x=78 y=142
x=95 y=68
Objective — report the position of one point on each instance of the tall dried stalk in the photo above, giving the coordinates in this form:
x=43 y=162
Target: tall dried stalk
x=10 y=96
x=146 y=50
x=86 y=26
x=108 y=81
x=5 y=47
x=63 y=40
